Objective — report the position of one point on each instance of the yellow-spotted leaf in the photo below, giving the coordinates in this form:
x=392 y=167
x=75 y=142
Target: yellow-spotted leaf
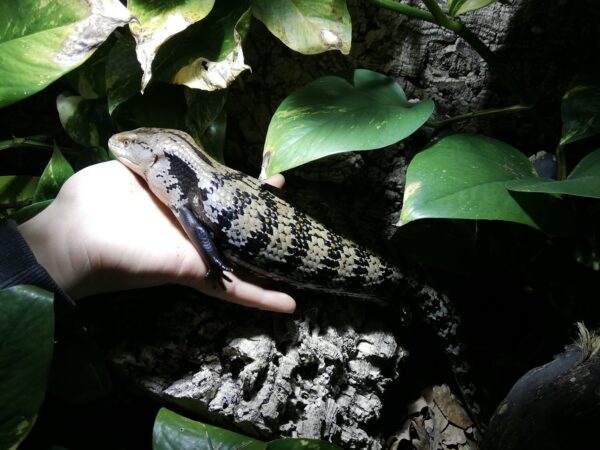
x=159 y=20
x=464 y=177
x=331 y=115
x=41 y=41
x=307 y=26
x=207 y=55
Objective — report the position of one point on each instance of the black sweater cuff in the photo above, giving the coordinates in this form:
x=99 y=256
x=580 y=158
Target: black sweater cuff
x=19 y=266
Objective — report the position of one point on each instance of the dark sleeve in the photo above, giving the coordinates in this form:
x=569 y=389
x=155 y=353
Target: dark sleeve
x=19 y=266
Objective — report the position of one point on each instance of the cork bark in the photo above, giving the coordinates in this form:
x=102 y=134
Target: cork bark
x=322 y=372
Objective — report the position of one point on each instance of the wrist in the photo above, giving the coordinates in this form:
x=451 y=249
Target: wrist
x=52 y=242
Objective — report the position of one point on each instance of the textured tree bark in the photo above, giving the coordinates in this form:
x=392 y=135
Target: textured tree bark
x=321 y=373
x=325 y=371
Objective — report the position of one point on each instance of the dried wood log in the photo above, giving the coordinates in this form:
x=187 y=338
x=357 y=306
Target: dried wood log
x=552 y=407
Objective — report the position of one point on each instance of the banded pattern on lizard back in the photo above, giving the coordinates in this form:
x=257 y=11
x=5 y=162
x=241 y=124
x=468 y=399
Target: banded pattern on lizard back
x=224 y=210
x=251 y=226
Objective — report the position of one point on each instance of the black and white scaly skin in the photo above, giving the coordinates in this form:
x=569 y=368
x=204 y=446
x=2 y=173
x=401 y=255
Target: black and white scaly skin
x=223 y=210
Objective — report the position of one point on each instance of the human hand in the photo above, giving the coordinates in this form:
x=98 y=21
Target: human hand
x=105 y=232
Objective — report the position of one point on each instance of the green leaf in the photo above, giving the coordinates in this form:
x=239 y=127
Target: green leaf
x=41 y=41
x=203 y=107
x=174 y=432
x=27 y=337
x=334 y=114
x=158 y=21
x=581 y=108
x=458 y=7
x=301 y=444
x=207 y=55
x=26 y=213
x=213 y=138
x=463 y=177
x=206 y=119
x=307 y=26
x=55 y=174
x=123 y=72
x=17 y=190
x=583 y=181
x=89 y=79
x=86 y=121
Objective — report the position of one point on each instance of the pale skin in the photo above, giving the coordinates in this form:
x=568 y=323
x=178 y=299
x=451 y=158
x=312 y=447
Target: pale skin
x=106 y=232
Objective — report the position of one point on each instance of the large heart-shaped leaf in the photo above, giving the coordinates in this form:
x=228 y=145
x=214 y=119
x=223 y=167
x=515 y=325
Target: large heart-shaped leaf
x=27 y=337
x=581 y=108
x=463 y=177
x=174 y=432
x=583 y=181
x=41 y=41
x=158 y=20
x=307 y=26
x=334 y=114
x=458 y=7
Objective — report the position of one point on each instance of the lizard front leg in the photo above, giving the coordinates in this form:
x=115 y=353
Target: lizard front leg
x=203 y=241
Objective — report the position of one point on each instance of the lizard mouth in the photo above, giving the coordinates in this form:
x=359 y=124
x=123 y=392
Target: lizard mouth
x=127 y=162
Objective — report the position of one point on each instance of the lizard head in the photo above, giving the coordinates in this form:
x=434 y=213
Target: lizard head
x=138 y=149
x=168 y=160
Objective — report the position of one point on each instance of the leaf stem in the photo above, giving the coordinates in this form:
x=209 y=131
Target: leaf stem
x=477 y=114
x=437 y=16
x=407 y=10
x=561 y=163
x=440 y=18
x=497 y=67
x=24 y=142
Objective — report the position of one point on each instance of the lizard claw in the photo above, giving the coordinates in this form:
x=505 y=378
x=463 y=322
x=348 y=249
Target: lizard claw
x=217 y=275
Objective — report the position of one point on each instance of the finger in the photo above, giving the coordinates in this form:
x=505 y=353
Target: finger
x=276 y=180
x=248 y=294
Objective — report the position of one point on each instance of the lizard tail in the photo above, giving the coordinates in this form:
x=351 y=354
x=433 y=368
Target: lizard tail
x=439 y=313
